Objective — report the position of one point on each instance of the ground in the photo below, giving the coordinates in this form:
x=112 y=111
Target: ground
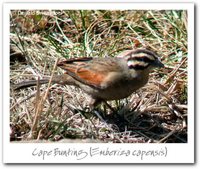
x=155 y=113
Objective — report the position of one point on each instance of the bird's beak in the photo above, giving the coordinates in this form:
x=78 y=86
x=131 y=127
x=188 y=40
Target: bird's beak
x=158 y=63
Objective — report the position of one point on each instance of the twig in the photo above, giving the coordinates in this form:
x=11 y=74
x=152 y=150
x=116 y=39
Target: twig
x=167 y=136
x=173 y=73
x=40 y=105
x=23 y=100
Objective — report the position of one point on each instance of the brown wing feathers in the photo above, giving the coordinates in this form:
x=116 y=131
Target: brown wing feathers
x=77 y=68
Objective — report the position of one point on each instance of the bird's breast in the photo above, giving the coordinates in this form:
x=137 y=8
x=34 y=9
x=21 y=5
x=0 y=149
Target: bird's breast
x=121 y=89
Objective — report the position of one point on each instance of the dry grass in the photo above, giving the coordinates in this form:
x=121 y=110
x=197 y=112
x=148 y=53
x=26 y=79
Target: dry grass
x=156 y=113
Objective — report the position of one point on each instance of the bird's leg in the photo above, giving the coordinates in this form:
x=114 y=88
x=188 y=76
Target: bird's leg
x=94 y=102
x=109 y=106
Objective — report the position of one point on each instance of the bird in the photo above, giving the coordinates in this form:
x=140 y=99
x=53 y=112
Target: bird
x=106 y=78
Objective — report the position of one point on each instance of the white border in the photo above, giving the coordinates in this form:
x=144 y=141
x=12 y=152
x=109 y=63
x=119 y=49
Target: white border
x=22 y=152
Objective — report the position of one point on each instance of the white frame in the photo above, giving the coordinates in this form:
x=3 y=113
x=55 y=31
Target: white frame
x=169 y=153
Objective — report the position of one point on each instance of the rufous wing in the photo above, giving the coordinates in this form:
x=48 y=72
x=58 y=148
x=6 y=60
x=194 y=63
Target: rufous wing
x=78 y=69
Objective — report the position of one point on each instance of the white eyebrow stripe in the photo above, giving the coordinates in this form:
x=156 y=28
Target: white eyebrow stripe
x=144 y=55
x=133 y=62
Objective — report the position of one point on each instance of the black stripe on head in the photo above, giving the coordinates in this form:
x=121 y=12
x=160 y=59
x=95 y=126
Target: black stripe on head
x=140 y=62
x=143 y=58
x=138 y=67
x=145 y=51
